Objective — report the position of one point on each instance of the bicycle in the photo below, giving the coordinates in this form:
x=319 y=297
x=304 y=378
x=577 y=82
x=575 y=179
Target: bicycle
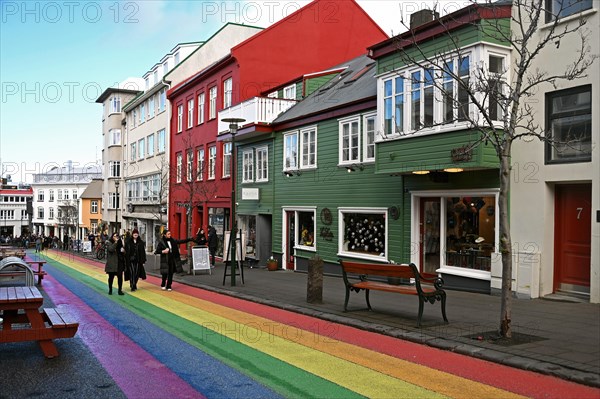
x=100 y=250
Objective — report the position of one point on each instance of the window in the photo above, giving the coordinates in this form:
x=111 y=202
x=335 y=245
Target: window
x=133 y=152
x=135 y=121
x=212 y=160
x=113 y=200
x=150 y=145
x=289 y=92
x=428 y=97
x=50 y=213
x=369 y=138
x=363 y=233
x=448 y=92
x=143 y=113
x=226 y=159
x=227 y=93
x=496 y=69
x=190 y=113
x=75 y=194
x=59 y=213
x=463 y=96
x=93 y=206
x=114 y=136
x=569 y=123
x=393 y=105
x=556 y=9
x=66 y=194
x=262 y=164
x=151 y=105
x=60 y=196
x=305 y=229
x=179 y=167
x=165 y=68
x=308 y=144
x=41 y=196
x=201 y=108
x=114 y=168
x=248 y=166
x=162 y=100
x=349 y=140
x=147 y=81
x=155 y=76
x=177 y=58
x=142 y=148
x=40 y=213
x=189 y=165
x=115 y=104
x=51 y=195
x=179 y=118
x=200 y=165
x=415 y=100
x=161 y=141
x=290 y=151
x=212 y=105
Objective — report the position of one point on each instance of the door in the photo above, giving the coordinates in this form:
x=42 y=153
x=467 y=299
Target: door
x=290 y=228
x=429 y=226
x=572 y=238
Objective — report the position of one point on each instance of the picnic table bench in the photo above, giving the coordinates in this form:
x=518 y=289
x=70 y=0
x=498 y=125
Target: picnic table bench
x=427 y=289
x=16 y=267
x=33 y=324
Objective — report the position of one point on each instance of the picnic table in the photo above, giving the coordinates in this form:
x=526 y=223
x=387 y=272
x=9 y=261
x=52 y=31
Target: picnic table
x=24 y=321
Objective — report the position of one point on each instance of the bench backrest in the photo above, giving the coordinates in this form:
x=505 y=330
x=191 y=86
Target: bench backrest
x=375 y=269
x=13 y=263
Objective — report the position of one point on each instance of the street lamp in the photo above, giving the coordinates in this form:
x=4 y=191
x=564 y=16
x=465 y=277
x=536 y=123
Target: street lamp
x=116 y=207
x=233 y=129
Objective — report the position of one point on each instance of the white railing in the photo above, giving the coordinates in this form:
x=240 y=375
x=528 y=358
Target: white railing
x=255 y=110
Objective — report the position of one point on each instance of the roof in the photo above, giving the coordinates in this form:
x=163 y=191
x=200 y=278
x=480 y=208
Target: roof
x=112 y=90
x=93 y=190
x=355 y=84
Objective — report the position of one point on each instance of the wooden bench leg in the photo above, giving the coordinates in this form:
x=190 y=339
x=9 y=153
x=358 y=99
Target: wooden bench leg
x=49 y=348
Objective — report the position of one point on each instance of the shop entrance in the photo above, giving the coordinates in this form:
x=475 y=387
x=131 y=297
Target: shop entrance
x=290 y=228
x=572 y=238
x=429 y=225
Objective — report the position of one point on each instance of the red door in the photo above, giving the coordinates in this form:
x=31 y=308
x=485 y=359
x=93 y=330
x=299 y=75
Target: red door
x=572 y=237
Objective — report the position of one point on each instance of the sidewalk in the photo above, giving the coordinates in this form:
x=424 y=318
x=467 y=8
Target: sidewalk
x=557 y=335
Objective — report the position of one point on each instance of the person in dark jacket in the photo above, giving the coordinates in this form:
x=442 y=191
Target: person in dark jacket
x=213 y=243
x=135 y=255
x=115 y=263
x=168 y=249
x=201 y=237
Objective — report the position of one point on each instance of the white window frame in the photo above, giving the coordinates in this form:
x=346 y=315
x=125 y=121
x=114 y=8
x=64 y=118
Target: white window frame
x=290 y=151
x=366 y=143
x=200 y=164
x=289 y=92
x=248 y=166
x=114 y=168
x=161 y=141
x=40 y=196
x=162 y=100
x=349 y=122
x=114 y=137
x=227 y=151
x=262 y=164
x=212 y=162
x=179 y=118
x=151 y=107
x=297 y=227
x=94 y=206
x=179 y=166
x=115 y=104
x=189 y=165
x=305 y=148
x=59 y=193
x=366 y=210
x=51 y=213
x=142 y=112
x=40 y=212
x=212 y=102
x=227 y=93
x=190 y=113
x=75 y=194
x=50 y=195
x=142 y=148
x=150 y=145
x=201 y=99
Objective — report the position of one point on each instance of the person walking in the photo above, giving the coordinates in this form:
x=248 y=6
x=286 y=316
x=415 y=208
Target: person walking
x=213 y=243
x=135 y=255
x=168 y=249
x=38 y=244
x=201 y=237
x=115 y=263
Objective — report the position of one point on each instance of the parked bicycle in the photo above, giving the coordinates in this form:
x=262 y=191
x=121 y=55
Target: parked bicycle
x=100 y=250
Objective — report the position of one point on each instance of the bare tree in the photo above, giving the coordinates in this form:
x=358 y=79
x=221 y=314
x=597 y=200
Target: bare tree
x=493 y=99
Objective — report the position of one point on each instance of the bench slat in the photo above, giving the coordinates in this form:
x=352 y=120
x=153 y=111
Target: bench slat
x=59 y=319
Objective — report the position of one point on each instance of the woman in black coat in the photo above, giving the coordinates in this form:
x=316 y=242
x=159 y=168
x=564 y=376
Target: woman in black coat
x=135 y=255
x=168 y=249
x=115 y=263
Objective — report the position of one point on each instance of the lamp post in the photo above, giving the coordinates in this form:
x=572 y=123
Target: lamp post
x=116 y=207
x=233 y=129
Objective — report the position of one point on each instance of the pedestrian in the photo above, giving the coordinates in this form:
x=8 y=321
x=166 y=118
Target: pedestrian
x=65 y=242
x=92 y=240
x=115 y=263
x=213 y=243
x=201 y=237
x=168 y=249
x=38 y=244
x=135 y=250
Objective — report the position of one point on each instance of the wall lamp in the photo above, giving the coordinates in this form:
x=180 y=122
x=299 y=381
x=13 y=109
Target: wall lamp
x=353 y=167
x=290 y=173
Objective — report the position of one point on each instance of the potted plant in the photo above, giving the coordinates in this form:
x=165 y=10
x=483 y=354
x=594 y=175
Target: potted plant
x=272 y=264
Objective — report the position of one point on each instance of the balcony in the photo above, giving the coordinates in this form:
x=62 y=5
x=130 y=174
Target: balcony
x=255 y=111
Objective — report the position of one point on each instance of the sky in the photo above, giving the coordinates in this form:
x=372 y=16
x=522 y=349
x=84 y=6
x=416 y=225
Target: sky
x=57 y=57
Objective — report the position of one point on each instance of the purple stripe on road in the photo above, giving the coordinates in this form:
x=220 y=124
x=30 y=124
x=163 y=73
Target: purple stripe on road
x=136 y=372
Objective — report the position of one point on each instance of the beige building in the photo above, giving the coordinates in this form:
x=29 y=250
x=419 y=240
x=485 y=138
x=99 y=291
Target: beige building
x=555 y=197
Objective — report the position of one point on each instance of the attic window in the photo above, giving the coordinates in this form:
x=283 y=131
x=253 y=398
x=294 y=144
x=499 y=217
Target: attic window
x=331 y=83
x=360 y=73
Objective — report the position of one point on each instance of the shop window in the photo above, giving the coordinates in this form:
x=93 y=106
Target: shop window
x=306 y=228
x=364 y=233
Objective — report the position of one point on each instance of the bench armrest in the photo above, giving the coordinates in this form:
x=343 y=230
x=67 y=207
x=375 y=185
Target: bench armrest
x=437 y=281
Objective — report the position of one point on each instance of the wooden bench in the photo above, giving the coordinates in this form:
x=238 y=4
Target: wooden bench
x=427 y=289
x=38 y=271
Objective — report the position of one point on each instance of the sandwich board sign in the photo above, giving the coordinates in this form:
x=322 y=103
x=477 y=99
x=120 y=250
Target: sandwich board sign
x=200 y=259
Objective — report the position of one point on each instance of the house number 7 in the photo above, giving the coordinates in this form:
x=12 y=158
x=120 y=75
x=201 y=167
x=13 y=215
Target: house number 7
x=579 y=213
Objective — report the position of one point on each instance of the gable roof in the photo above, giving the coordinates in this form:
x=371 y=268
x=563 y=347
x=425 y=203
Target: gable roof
x=355 y=84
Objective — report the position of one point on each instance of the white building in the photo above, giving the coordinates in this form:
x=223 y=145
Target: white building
x=56 y=202
x=14 y=217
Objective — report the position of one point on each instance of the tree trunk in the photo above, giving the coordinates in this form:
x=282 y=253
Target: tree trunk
x=505 y=244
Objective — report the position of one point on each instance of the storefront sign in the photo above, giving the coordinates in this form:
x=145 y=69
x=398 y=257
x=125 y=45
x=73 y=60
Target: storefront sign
x=326 y=234
x=461 y=154
x=250 y=193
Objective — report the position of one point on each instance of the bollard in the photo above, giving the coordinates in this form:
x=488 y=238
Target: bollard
x=314 y=286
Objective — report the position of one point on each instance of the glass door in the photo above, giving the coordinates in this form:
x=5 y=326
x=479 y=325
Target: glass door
x=429 y=234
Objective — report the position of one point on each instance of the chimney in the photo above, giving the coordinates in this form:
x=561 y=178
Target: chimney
x=422 y=17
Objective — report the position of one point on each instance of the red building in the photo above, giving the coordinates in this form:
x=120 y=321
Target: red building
x=321 y=34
